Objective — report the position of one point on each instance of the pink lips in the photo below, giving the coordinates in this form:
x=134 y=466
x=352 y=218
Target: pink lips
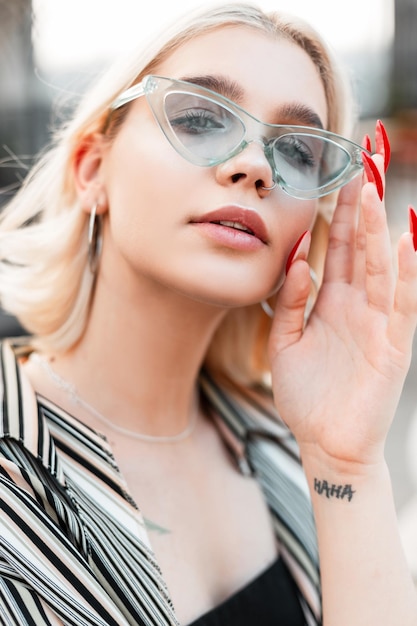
x=235 y=227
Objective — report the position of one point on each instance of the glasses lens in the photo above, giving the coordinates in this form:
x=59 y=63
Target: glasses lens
x=308 y=162
x=205 y=128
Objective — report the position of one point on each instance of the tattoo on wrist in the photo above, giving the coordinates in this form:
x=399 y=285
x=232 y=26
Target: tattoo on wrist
x=330 y=490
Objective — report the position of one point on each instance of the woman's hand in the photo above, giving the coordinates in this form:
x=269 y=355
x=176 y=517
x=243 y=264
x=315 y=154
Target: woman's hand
x=337 y=380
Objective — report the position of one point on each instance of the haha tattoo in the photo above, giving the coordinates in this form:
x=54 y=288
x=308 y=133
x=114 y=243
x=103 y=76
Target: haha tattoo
x=341 y=492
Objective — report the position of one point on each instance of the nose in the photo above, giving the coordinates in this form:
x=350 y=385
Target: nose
x=249 y=168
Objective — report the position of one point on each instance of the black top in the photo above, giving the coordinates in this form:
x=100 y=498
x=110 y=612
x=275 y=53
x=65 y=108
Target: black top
x=271 y=599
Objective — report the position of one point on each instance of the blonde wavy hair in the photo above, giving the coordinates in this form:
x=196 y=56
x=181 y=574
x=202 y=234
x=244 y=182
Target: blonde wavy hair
x=45 y=280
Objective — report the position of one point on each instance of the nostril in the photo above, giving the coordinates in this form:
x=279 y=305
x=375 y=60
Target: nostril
x=236 y=177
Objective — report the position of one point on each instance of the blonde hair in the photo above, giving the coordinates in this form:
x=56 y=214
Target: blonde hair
x=45 y=280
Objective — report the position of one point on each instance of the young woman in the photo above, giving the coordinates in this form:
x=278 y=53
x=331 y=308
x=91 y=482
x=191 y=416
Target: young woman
x=154 y=419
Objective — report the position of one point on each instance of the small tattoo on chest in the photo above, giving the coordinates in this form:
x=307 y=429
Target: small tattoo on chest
x=153 y=527
x=330 y=490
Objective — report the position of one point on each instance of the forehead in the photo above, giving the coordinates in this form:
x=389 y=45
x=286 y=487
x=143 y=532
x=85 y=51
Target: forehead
x=271 y=71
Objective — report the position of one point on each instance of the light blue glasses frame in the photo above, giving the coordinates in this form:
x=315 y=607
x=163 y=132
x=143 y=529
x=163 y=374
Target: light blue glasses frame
x=207 y=129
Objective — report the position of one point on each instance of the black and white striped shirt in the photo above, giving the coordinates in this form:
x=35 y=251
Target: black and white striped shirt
x=74 y=548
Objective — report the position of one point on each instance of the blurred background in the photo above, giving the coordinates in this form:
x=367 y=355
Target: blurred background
x=51 y=49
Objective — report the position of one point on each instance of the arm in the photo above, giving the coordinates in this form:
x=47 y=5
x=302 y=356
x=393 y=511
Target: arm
x=365 y=579
x=337 y=382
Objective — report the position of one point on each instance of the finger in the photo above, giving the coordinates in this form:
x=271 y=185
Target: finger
x=288 y=323
x=382 y=143
x=367 y=143
x=359 y=271
x=379 y=274
x=403 y=319
x=339 y=259
x=373 y=174
x=412 y=220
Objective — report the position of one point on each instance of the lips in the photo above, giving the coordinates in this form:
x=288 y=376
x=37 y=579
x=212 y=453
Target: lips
x=235 y=225
x=245 y=221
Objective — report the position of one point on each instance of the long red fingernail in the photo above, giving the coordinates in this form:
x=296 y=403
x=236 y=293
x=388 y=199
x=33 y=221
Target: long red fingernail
x=367 y=143
x=383 y=146
x=412 y=218
x=373 y=175
x=296 y=249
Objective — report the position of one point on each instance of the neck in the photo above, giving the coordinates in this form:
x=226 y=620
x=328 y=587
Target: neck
x=139 y=358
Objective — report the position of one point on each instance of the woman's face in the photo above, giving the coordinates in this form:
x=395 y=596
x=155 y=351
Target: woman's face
x=160 y=229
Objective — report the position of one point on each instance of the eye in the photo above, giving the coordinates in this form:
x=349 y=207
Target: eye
x=198 y=121
x=296 y=151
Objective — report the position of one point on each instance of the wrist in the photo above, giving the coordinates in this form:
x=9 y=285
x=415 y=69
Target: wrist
x=339 y=479
x=344 y=492
x=315 y=459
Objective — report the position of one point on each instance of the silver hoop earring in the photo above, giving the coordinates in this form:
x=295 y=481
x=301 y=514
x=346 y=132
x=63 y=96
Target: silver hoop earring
x=269 y=311
x=267 y=308
x=314 y=280
x=94 y=239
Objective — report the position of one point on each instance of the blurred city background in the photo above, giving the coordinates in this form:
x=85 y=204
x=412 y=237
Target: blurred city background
x=51 y=49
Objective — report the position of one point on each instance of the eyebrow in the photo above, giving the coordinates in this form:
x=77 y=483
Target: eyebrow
x=290 y=113
x=301 y=113
x=220 y=84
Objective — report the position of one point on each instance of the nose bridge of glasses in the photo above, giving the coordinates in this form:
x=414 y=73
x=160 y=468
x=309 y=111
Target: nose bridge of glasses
x=257 y=131
x=260 y=134
x=263 y=154
x=263 y=134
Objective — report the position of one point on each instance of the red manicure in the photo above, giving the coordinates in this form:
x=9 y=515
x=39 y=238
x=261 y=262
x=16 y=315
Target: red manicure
x=367 y=143
x=412 y=217
x=373 y=175
x=382 y=143
x=294 y=251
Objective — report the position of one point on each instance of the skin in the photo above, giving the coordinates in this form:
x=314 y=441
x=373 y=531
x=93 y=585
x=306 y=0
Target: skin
x=163 y=286
x=166 y=175
x=151 y=252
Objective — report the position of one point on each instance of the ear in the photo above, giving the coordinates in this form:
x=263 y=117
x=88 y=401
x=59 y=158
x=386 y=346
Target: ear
x=87 y=164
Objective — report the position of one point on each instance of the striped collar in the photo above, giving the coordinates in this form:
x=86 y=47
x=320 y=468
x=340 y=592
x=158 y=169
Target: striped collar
x=259 y=442
x=20 y=418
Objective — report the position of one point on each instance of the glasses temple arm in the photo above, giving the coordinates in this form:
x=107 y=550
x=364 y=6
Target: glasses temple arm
x=127 y=96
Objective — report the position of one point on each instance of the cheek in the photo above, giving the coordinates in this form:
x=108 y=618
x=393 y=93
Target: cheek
x=296 y=221
x=144 y=177
x=139 y=164
x=296 y=216
x=313 y=213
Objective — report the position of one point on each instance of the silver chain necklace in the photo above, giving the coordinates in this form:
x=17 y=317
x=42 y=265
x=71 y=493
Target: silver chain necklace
x=71 y=391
